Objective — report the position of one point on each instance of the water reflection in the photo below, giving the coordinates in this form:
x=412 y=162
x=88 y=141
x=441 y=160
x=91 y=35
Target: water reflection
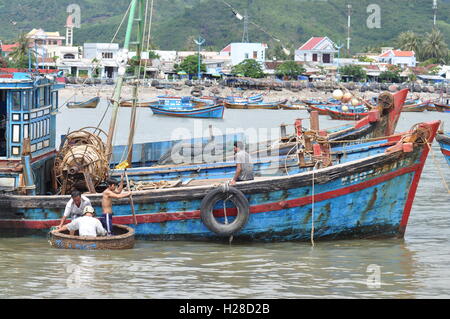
x=194 y=270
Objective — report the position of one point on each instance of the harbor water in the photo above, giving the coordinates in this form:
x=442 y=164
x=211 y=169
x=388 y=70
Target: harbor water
x=414 y=267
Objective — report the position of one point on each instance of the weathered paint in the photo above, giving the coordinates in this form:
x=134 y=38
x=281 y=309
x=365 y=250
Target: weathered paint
x=202 y=112
x=368 y=197
x=444 y=142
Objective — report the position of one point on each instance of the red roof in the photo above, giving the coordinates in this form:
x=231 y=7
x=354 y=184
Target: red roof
x=9 y=47
x=311 y=44
x=227 y=48
x=398 y=53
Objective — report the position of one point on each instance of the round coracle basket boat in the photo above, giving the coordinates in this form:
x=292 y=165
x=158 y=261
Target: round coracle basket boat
x=123 y=238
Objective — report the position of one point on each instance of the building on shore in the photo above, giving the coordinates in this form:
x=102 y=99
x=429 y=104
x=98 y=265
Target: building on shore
x=402 y=59
x=238 y=52
x=317 y=50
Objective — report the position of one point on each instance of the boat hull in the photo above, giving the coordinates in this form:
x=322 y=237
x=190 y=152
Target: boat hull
x=345 y=116
x=415 y=108
x=367 y=198
x=442 y=107
x=91 y=104
x=204 y=112
x=444 y=142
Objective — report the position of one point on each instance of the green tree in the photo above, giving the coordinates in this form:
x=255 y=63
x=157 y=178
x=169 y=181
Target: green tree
x=355 y=71
x=410 y=41
x=392 y=74
x=190 y=65
x=19 y=56
x=290 y=69
x=249 y=68
x=434 y=46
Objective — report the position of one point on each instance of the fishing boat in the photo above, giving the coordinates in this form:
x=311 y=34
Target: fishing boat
x=122 y=238
x=139 y=104
x=346 y=116
x=291 y=107
x=440 y=107
x=254 y=105
x=369 y=196
x=444 y=141
x=420 y=107
x=365 y=195
x=90 y=104
x=215 y=111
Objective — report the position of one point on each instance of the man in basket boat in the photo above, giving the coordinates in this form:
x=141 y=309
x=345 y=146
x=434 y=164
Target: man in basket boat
x=75 y=207
x=87 y=226
x=112 y=192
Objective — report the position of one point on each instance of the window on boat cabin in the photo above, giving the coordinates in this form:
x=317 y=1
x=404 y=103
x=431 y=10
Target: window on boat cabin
x=3 y=101
x=41 y=96
x=26 y=100
x=47 y=95
x=55 y=100
x=16 y=100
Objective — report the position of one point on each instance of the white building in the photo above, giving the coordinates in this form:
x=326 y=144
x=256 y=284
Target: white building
x=400 y=58
x=239 y=52
x=105 y=55
x=320 y=50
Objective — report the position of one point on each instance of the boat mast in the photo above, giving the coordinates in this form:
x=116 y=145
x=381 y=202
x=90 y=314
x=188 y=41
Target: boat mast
x=137 y=73
x=120 y=79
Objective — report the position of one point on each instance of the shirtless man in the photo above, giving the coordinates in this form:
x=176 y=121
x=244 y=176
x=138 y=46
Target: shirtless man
x=112 y=192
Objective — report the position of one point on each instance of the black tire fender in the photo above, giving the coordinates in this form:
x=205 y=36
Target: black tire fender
x=240 y=201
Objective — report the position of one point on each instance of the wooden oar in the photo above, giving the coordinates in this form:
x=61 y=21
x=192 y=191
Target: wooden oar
x=124 y=166
x=131 y=198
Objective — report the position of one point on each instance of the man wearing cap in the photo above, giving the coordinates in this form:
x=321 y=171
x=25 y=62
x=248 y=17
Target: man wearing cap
x=87 y=226
x=244 y=165
x=75 y=207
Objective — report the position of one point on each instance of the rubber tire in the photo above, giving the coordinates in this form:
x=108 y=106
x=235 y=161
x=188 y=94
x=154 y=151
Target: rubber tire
x=238 y=223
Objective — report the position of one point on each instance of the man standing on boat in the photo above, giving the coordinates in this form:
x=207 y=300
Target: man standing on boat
x=244 y=165
x=112 y=192
x=75 y=207
x=87 y=226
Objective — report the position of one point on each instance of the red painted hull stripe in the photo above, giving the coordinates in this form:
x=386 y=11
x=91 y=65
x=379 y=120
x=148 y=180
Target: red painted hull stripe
x=445 y=152
x=163 y=217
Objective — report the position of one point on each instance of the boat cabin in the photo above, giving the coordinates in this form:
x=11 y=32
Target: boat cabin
x=28 y=104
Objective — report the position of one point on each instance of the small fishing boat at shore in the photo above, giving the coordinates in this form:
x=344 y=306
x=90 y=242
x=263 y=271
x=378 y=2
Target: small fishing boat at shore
x=214 y=111
x=122 y=238
x=444 y=141
x=90 y=104
x=346 y=116
x=420 y=107
x=444 y=108
x=139 y=104
x=254 y=105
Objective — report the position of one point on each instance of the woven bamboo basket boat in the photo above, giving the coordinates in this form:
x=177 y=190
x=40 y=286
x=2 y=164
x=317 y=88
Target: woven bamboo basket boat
x=123 y=238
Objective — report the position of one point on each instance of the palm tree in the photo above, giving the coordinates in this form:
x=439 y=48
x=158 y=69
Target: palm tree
x=434 y=45
x=19 y=56
x=410 y=41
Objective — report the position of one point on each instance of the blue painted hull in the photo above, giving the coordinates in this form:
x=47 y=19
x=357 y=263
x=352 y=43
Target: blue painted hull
x=444 y=142
x=203 y=112
x=364 y=198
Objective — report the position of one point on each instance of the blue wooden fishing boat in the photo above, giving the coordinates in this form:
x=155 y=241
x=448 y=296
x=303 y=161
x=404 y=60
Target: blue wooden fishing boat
x=28 y=108
x=326 y=196
x=215 y=111
x=370 y=196
x=444 y=141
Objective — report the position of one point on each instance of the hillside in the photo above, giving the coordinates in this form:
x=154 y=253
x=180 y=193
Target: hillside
x=176 y=22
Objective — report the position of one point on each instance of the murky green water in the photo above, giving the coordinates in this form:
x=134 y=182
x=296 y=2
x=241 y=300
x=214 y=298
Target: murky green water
x=416 y=267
